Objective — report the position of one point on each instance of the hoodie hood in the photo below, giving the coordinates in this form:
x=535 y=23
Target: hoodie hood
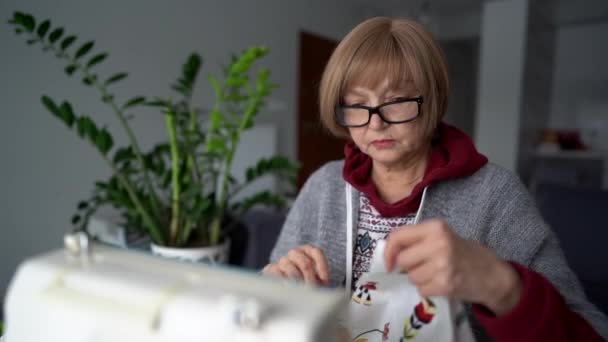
x=453 y=156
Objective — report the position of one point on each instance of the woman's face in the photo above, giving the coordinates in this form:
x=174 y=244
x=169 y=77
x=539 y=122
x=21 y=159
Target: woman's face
x=387 y=144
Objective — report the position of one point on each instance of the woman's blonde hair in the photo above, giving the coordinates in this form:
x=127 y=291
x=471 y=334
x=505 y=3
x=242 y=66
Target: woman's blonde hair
x=379 y=48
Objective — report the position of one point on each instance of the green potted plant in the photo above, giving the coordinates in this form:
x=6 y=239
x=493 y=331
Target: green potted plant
x=182 y=191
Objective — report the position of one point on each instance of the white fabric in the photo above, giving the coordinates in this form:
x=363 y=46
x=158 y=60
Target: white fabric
x=387 y=306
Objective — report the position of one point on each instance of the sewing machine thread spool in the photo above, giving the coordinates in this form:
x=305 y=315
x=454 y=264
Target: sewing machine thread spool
x=242 y=313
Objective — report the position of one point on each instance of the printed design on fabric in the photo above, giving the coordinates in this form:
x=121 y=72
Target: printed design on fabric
x=423 y=315
x=362 y=336
x=371 y=228
x=363 y=293
x=366 y=244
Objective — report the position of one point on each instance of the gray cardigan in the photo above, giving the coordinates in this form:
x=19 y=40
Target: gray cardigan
x=491 y=206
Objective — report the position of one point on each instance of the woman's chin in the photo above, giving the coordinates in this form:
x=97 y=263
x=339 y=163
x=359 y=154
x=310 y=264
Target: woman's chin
x=386 y=157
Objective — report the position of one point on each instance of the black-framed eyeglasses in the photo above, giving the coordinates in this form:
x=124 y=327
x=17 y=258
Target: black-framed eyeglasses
x=401 y=110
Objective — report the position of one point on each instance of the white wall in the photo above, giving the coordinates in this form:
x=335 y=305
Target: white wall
x=46 y=169
x=580 y=85
x=503 y=32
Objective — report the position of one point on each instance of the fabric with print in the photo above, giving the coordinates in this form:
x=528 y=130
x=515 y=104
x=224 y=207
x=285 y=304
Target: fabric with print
x=387 y=307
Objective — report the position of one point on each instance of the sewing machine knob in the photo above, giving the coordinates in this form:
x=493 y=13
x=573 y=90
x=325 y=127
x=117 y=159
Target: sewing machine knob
x=244 y=313
x=77 y=244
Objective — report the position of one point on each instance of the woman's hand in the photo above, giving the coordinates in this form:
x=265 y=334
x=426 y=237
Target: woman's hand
x=440 y=263
x=304 y=262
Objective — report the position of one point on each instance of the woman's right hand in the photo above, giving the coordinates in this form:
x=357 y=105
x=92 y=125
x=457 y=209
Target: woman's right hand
x=305 y=262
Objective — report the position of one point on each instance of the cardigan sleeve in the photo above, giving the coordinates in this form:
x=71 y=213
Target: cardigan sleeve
x=541 y=315
x=548 y=280
x=299 y=227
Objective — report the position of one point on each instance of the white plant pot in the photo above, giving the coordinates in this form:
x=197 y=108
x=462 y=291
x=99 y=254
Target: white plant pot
x=211 y=254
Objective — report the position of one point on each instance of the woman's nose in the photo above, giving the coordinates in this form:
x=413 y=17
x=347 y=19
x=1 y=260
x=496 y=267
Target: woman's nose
x=376 y=122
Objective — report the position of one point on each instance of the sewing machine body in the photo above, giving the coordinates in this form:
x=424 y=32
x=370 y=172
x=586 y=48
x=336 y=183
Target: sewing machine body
x=116 y=295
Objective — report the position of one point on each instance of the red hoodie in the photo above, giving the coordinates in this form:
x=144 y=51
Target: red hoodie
x=541 y=314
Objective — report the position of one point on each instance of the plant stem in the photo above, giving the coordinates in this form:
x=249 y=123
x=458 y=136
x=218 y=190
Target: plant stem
x=186 y=232
x=175 y=172
x=217 y=221
x=191 y=159
x=136 y=149
x=153 y=228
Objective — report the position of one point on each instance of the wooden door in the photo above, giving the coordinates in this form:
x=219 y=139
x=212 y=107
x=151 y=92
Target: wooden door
x=316 y=146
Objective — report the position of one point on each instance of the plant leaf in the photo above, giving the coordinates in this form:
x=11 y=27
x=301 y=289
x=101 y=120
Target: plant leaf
x=159 y=102
x=216 y=120
x=96 y=59
x=104 y=141
x=86 y=47
x=237 y=81
x=91 y=131
x=67 y=42
x=50 y=105
x=43 y=28
x=116 y=78
x=75 y=219
x=123 y=154
x=216 y=144
x=101 y=185
x=70 y=69
x=191 y=68
x=28 y=22
x=89 y=80
x=17 y=18
x=66 y=114
x=86 y=128
x=134 y=102
x=56 y=34
x=189 y=72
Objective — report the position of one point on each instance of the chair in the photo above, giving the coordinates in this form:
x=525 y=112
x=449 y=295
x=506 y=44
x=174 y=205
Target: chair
x=578 y=217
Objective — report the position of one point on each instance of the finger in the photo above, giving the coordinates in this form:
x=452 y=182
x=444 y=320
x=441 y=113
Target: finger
x=429 y=290
x=434 y=289
x=275 y=271
x=422 y=274
x=414 y=256
x=288 y=269
x=321 y=264
x=400 y=239
x=271 y=269
x=305 y=265
x=439 y=284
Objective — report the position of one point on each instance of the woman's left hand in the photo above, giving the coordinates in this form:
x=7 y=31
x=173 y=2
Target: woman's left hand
x=440 y=263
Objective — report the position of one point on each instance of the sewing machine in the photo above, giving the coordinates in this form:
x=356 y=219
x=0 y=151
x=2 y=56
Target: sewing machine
x=87 y=292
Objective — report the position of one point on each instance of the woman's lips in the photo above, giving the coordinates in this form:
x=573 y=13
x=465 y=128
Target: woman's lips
x=383 y=143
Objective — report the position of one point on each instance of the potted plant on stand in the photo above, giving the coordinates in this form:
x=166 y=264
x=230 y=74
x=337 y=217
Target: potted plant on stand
x=182 y=191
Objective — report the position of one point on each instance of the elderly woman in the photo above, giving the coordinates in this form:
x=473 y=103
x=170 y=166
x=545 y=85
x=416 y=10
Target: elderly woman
x=480 y=239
